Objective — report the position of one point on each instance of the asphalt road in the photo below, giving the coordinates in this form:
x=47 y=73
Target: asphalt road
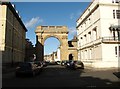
x=59 y=76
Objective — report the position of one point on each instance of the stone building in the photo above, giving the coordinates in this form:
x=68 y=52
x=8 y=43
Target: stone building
x=72 y=49
x=98 y=32
x=12 y=34
x=29 y=51
x=54 y=55
x=58 y=54
x=51 y=57
x=48 y=58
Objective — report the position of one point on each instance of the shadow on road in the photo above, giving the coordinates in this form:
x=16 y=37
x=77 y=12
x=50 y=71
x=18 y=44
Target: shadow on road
x=56 y=76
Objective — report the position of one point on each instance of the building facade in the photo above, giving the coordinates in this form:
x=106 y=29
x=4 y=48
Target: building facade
x=29 y=51
x=49 y=58
x=58 y=54
x=72 y=49
x=98 y=32
x=72 y=52
x=13 y=33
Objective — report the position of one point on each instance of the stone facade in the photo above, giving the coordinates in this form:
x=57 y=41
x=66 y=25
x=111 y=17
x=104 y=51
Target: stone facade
x=72 y=49
x=48 y=58
x=98 y=32
x=29 y=51
x=13 y=33
x=59 y=32
x=71 y=55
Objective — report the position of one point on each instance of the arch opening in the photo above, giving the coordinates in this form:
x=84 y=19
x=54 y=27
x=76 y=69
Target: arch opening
x=51 y=49
x=59 y=32
x=70 y=56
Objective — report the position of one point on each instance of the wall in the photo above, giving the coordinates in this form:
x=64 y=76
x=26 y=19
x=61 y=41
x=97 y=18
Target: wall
x=98 y=15
x=13 y=37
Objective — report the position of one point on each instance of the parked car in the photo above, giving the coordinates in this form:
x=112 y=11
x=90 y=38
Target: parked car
x=64 y=62
x=45 y=63
x=27 y=68
x=39 y=65
x=75 y=64
x=58 y=62
x=79 y=65
x=70 y=64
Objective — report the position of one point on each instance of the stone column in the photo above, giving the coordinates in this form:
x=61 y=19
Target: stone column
x=64 y=48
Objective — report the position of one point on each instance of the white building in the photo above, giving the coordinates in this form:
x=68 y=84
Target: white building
x=58 y=54
x=98 y=31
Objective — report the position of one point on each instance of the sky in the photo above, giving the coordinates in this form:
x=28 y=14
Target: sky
x=34 y=14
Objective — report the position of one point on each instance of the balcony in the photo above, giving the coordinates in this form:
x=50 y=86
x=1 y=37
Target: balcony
x=108 y=40
x=111 y=39
x=90 y=44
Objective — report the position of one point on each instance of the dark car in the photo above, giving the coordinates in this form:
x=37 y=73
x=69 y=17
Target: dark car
x=64 y=62
x=39 y=65
x=75 y=64
x=45 y=63
x=27 y=68
x=58 y=62
x=70 y=64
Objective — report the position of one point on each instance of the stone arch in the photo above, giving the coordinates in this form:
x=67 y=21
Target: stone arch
x=48 y=36
x=44 y=32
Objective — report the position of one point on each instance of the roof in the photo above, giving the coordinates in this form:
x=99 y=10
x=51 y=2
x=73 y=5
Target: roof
x=14 y=12
x=85 y=10
x=74 y=39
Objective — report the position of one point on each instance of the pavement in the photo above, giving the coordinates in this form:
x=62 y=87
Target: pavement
x=59 y=76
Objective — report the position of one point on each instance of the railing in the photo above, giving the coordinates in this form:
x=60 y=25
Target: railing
x=100 y=40
x=110 y=39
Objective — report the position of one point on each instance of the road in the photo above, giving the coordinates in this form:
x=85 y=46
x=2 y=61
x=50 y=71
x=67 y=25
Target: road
x=59 y=76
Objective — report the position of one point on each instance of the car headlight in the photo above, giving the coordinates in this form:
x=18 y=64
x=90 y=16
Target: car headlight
x=68 y=64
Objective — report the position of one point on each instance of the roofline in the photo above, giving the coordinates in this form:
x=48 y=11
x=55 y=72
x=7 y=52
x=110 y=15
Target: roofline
x=52 y=25
x=14 y=12
x=97 y=5
x=85 y=10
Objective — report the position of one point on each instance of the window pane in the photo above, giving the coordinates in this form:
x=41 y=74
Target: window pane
x=119 y=51
x=118 y=14
x=114 y=14
x=115 y=50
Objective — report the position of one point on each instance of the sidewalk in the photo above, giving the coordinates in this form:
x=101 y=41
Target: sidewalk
x=111 y=72
x=101 y=69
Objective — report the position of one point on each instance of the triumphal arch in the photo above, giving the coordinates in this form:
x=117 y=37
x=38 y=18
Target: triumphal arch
x=44 y=32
